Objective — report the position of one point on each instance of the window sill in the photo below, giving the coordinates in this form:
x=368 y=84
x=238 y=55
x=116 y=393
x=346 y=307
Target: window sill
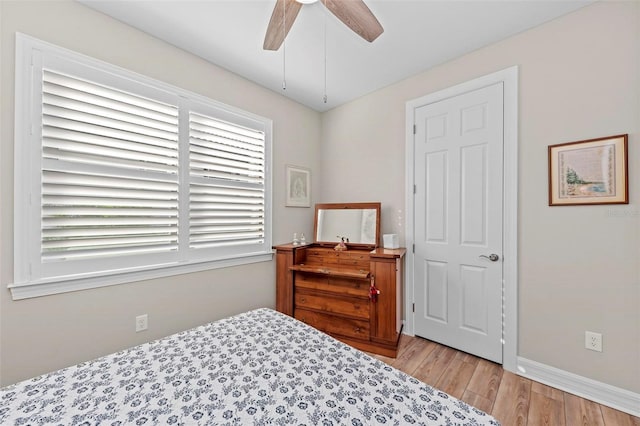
x=68 y=284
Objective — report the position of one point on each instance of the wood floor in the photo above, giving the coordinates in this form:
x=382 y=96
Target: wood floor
x=511 y=399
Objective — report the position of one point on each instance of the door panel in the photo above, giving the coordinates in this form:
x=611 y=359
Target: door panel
x=436 y=229
x=436 y=292
x=458 y=218
x=474 y=313
x=473 y=195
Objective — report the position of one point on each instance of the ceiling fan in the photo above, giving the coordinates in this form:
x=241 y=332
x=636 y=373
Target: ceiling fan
x=353 y=13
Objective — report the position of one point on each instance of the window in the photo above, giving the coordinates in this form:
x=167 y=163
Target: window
x=119 y=177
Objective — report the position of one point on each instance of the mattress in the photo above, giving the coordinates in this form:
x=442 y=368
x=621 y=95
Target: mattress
x=260 y=367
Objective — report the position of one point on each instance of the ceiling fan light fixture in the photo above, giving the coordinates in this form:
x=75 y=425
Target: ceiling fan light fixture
x=306 y=1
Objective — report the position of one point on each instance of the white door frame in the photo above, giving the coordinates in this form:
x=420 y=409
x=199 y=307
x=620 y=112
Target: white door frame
x=509 y=78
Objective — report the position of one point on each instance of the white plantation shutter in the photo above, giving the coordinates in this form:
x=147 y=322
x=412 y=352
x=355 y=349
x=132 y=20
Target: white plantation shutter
x=120 y=178
x=109 y=171
x=227 y=189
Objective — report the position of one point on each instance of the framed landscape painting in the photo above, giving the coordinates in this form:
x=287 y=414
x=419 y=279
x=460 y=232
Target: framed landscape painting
x=593 y=171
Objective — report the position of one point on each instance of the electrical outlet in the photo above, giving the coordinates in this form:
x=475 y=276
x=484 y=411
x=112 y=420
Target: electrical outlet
x=142 y=323
x=593 y=341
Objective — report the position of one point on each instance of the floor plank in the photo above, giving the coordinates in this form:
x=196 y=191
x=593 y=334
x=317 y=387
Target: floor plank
x=414 y=353
x=486 y=379
x=456 y=377
x=618 y=418
x=512 y=401
x=432 y=367
x=580 y=411
x=545 y=411
x=547 y=391
x=478 y=401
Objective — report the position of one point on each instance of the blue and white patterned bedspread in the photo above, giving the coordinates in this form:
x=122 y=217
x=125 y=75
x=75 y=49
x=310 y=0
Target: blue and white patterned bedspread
x=260 y=367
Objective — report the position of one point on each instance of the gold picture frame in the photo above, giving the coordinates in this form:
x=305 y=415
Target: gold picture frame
x=593 y=171
x=298 y=186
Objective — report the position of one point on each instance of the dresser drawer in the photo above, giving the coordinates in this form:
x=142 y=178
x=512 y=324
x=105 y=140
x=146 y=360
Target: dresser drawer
x=334 y=325
x=355 y=260
x=350 y=306
x=321 y=257
x=354 y=263
x=350 y=286
x=311 y=281
x=338 y=285
x=324 y=256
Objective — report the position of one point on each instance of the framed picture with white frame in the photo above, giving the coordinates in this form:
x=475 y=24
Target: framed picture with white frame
x=298 y=186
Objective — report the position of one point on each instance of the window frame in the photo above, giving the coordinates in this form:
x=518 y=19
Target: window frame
x=28 y=164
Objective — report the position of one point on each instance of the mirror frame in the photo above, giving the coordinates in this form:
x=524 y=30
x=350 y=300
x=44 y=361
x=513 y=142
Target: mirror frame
x=342 y=206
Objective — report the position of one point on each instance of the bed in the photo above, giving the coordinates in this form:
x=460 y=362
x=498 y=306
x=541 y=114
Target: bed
x=260 y=367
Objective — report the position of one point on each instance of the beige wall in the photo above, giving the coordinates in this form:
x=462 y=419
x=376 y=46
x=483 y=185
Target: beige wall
x=579 y=266
x=47 y=333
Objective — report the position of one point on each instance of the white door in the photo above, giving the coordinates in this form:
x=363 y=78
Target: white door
x=458 y=221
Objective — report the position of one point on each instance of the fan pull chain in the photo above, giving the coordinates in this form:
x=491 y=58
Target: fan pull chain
x=324 y=98
x=284 y=79
x=284 y=45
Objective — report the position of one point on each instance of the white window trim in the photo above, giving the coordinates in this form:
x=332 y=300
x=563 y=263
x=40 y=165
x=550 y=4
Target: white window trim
x=23 y=188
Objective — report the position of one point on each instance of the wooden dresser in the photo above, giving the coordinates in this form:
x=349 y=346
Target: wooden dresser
x=330 y=290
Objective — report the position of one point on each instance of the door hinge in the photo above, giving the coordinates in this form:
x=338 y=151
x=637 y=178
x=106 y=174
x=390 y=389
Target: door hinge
x=413 y=248
x=414 y=189
x=413 y=307
x=414 y=129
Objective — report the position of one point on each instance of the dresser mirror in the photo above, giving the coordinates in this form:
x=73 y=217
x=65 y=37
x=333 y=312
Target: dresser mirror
x=359 y=223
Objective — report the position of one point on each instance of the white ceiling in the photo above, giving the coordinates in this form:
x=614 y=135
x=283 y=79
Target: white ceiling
x=419 y=34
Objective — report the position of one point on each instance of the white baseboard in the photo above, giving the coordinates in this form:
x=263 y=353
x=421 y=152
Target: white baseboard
x=602 y=393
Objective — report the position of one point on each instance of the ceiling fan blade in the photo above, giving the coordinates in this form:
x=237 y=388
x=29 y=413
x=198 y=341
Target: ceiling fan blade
x=285 y=11
x=357 y=16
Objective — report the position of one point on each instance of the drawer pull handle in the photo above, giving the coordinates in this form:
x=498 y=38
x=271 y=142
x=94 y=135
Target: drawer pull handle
x=357 y=329
x=303 y=300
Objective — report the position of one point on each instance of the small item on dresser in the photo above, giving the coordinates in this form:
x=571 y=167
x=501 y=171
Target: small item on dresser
x=341 y=245
x=390 y=241
x=303 y=240
x=296 y=241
